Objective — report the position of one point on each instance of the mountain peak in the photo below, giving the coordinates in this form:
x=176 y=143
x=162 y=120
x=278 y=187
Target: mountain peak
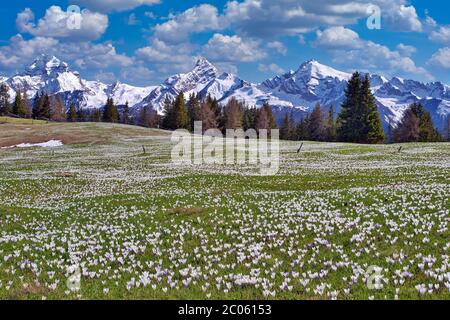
x=203 y=62
x=314 y=69
x=203 y=66
x=46 y=65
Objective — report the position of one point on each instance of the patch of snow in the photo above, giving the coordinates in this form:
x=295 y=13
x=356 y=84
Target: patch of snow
x=48 y=144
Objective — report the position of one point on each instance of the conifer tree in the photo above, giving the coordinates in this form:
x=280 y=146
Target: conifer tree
x=292 y=126
x=19 y=107
x=302 y=129
x=58 y=109
x=168 y=121
x=5 y=107
x=193 y=110
x=45 y=111
x=270 y=117
x=262 y=120
x=149 y=117
x=126 y=114
x=359 y=120
x=331 y=125
x=215 y=107
x=37 y=106
x=96 y=115
x=250 y=115
x=317 y=129
x=72 y=114
x=110 y=113
x=347 y=127
x=233 y=115
x=285 y=129
x=81 y=115
x=447 y=128
x=372 y=129
x=207 y=117
x=181 y=118
x=408 y=129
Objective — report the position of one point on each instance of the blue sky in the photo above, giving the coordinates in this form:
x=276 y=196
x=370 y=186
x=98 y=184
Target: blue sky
x=141 y=42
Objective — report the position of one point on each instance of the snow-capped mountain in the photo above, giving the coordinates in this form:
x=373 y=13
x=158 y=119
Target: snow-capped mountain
x=298 y=91
x=203 y=80
x=51 y=75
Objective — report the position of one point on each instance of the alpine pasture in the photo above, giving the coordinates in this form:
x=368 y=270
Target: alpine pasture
x=339 y=221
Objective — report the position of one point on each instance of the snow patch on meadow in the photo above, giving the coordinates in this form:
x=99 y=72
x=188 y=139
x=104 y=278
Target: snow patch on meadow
x=48 y=144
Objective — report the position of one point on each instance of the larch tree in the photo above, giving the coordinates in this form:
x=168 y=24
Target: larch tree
x=233 y=114
x=58 y=109
x=207 y=117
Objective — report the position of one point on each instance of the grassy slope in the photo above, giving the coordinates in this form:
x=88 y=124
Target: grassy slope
x=134 y=213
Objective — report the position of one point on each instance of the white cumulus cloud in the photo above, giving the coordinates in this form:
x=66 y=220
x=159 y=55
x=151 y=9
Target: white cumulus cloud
x=442 y=35
x=441 y=58
x=233 y=49
x=116 y=5
x=56 y=24
x=196 y=19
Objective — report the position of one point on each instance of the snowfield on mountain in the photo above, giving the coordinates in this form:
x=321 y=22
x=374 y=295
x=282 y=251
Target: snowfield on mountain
x=298 y=91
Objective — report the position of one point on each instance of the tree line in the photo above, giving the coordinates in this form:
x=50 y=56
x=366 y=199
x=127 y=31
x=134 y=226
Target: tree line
x=358 y=121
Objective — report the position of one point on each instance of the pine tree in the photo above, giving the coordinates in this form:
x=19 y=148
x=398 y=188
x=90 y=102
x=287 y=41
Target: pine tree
x=427 y=131
x=126 y=114
x=110 y=113
x=96 y=115
x=168 y=121
x=115 y=117
x=331 y=125
x=292 y=135
x=372 y=130
x=37 y=106
x=390 y=132
x=250 y=115
x=447 y=128
x=45 y=111
x=285 y=129
x=408 y=129
x=72 y=114
x=19 y=107
x=359 y=120
x=193 y=110
x=317 y=129
x=181 y=118
x=347 y=127
x=302 y=129
x=5 y=107
x=81 y=115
